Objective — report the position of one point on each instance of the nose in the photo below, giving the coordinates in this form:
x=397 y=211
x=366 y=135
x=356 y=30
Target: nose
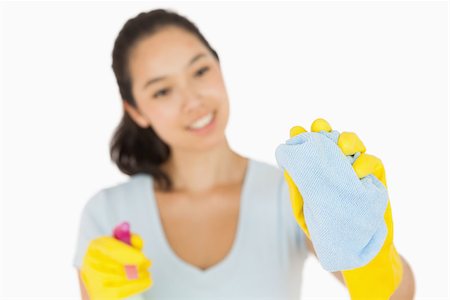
x=191 y=99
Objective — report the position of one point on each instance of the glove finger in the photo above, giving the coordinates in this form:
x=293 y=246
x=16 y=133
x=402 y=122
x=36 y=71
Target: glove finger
x=94 y=274
x=134 y=287
x=136 y=241
x=295 y=135
x=319 y=125
x=104 y=265
x=323 y=127
x=367 y=164
x=350 y=143
x=296 y=138
x=146 y=264
x=296 y=203
x=121 y=290
x=296 y=130
x=101 y=264
x=113 y=272
x=118 y=281
x=109 y=247
x=127 y=273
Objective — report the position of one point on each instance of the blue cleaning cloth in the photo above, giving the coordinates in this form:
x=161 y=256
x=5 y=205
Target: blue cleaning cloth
x=344 y=214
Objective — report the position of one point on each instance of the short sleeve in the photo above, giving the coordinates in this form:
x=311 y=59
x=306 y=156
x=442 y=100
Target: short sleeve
x=92 y=224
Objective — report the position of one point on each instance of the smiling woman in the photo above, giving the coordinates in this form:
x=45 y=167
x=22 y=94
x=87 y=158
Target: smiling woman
x=209 y=222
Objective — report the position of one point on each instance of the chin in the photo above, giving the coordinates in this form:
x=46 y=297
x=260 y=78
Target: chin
x=206 y=143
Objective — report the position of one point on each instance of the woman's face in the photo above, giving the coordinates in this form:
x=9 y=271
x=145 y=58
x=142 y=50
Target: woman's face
x=176 y=81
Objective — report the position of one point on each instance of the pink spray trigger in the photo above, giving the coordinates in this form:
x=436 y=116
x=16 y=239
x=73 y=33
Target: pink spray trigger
x=122 y=233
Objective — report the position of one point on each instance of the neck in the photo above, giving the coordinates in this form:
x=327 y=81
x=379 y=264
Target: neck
x=196 y=171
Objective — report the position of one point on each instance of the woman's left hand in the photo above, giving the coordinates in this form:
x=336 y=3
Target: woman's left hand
x=338 y=194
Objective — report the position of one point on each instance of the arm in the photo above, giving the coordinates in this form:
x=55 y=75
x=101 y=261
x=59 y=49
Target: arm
x=407 y=286
x=84 y=294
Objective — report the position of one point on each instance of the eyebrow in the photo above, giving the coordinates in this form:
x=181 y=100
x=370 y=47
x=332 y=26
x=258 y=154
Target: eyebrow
x=194 y=59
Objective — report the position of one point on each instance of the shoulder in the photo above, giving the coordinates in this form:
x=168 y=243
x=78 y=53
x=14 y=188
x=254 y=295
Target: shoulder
x=267 y=180
x=266 y=172
x=115 y=194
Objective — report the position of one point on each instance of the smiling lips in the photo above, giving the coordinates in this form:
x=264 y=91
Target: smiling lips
x=202 y=122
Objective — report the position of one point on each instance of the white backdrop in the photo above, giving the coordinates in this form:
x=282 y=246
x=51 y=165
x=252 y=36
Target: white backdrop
x=378 y=69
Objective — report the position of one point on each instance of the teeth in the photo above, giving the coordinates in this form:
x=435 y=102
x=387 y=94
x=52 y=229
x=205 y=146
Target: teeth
x=202 y=122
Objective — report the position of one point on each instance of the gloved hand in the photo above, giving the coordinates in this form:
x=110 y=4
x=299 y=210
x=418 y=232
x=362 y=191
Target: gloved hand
x=378 y=278
x=343 y=214
x=113 y=270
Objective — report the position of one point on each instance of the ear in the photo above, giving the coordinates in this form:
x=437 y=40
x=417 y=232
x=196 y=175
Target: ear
x=135 y=115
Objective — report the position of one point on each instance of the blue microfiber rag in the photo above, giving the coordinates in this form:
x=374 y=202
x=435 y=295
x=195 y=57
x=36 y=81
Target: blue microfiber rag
x=344 y=214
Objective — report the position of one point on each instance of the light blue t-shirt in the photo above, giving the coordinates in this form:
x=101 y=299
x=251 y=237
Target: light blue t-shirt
x=266 y=259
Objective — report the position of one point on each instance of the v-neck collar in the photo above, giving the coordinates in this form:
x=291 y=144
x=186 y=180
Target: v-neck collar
x=179 y=267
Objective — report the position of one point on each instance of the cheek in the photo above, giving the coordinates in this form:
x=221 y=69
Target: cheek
x=164 y=122
x=214 y=90
x=217 y=83
x=220 y=94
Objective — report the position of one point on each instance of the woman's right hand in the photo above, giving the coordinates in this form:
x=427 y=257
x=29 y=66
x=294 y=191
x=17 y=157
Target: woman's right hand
x=112 y=269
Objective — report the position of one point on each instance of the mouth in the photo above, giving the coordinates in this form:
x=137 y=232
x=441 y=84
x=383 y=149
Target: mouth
x=204 y=124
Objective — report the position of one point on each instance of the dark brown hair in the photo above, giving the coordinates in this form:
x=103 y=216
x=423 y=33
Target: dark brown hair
x=132 y=148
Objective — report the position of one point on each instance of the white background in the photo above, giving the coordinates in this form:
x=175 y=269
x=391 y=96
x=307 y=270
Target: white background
x=378 y=69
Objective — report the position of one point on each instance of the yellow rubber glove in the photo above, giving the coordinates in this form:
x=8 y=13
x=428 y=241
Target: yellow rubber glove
x=106 y=268
x=382 y=275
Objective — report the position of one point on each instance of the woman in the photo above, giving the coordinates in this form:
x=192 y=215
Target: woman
x=215 y=223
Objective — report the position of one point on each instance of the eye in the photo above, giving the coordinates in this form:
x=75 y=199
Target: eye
x=201 y=71
x=161 y=92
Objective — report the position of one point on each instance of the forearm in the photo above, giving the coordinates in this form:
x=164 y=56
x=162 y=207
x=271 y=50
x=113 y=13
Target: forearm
x=84 y=294
x=407 y=287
